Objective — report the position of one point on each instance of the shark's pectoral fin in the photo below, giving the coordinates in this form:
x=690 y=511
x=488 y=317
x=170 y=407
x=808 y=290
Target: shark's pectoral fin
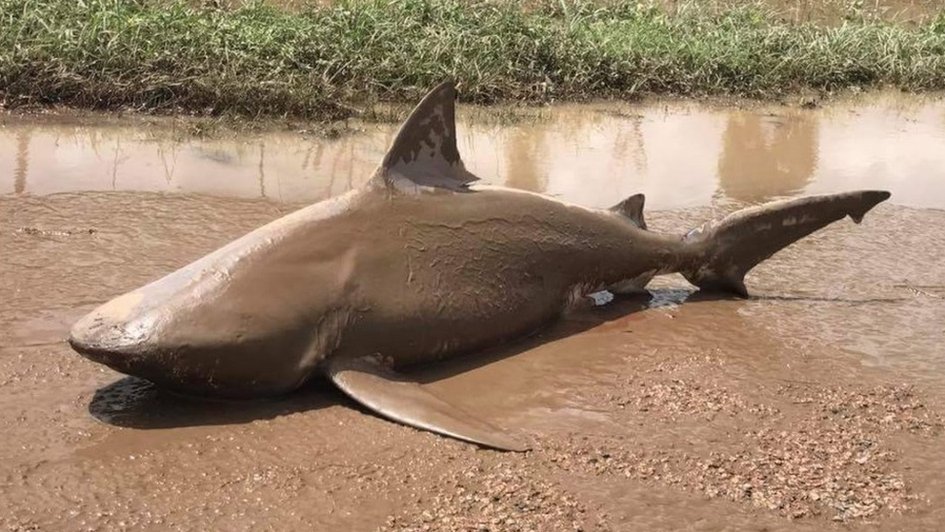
x=389 y=394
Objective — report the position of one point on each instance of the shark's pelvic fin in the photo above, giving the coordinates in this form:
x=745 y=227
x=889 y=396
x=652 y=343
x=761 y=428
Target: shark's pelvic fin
x=387 y=393
x=424 y=152
x=632 y=208
x=722 y=252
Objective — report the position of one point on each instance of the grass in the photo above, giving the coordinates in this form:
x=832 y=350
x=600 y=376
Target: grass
x=260 y=60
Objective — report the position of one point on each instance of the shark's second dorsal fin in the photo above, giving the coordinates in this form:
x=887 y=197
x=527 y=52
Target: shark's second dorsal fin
x=424 y=152
x=632 y=208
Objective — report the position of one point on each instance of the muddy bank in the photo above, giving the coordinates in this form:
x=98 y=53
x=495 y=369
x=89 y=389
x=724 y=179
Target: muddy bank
x=818 y=403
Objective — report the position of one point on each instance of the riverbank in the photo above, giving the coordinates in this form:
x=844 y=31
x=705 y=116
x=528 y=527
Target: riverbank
x=321 y=62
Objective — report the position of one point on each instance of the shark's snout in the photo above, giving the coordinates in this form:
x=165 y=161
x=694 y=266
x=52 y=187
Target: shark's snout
x=111 y=335
x=188 y=348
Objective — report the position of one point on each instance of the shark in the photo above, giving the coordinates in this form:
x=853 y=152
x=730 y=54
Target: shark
x=418 y=265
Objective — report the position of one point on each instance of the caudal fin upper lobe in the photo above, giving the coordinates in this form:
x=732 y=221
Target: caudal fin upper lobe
x=723 y=251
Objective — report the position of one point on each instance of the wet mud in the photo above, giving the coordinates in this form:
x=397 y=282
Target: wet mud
x=816 y=404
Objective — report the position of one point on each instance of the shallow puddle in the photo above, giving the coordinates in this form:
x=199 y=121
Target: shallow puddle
x=649 y=413
x=679 y=154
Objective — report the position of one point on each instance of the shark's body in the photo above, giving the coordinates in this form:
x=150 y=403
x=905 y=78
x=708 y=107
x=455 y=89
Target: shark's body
x=411 y=268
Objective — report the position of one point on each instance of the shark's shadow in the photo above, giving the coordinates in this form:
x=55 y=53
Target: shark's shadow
x=136 y=403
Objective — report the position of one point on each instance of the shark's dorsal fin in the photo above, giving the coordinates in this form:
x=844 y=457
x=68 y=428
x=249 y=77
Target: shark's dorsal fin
x=632 y=208
x=424 y=152
x=381 y=390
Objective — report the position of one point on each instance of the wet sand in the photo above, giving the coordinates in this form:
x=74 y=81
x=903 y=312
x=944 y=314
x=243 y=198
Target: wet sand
x=816 y=404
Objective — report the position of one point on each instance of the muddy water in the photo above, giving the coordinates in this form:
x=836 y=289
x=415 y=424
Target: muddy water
x=817 y=403
x=679 y=154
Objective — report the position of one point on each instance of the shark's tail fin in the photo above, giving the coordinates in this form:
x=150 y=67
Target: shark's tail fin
x=725 y=250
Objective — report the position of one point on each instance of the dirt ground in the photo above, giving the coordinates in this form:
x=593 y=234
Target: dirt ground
x=816 y=404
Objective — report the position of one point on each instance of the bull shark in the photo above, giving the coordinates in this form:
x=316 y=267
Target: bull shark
x=415 y=266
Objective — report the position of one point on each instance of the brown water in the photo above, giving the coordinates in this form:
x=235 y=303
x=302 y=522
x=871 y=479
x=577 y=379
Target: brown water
x=679 y=154
x=817 y=400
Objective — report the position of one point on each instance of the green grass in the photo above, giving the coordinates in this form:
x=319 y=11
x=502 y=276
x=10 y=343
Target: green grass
x=259 y=60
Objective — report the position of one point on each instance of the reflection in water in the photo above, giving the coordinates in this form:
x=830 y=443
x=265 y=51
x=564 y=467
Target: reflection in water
x=633 y=143
x=524 y=147
x=680 y=154
x=262 y=169
x=168 y=165
x=767 y=156
x=22 y=161
x=116 y=163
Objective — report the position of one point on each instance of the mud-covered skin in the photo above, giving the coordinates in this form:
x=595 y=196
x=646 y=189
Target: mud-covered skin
x=236 y=322
x=408 y=277
x=450 y=273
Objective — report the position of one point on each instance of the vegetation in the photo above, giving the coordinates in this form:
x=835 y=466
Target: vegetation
x=261 y=60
